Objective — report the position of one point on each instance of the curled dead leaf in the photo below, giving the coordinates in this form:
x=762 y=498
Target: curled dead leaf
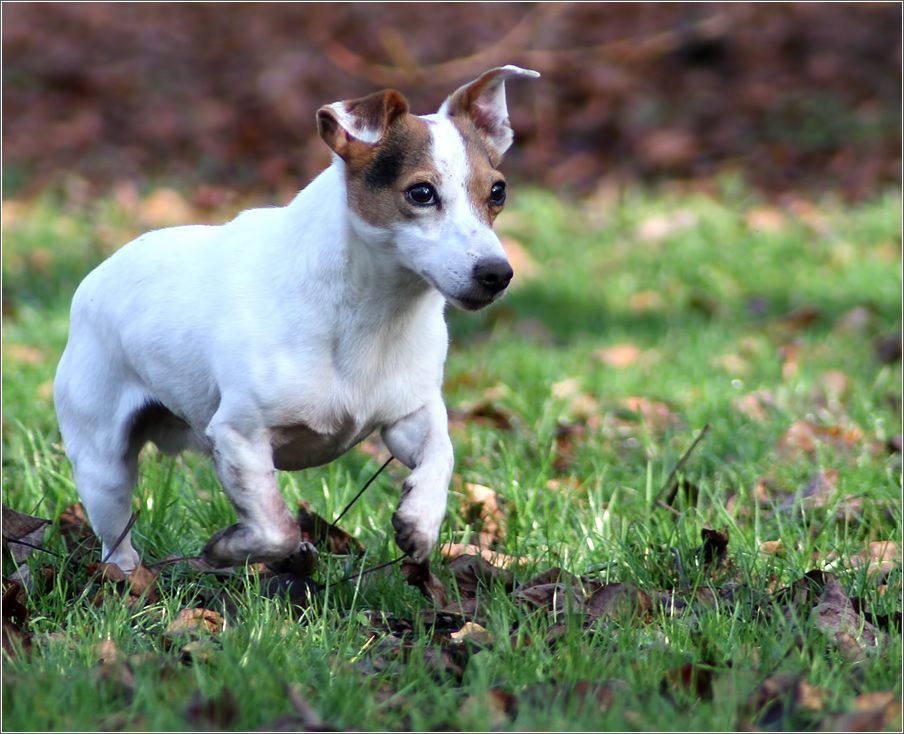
x=420 y=576
x=620 y=356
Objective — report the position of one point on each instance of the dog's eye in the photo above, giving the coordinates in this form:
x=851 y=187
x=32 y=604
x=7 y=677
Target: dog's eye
x=497 y=193
x=421 y=194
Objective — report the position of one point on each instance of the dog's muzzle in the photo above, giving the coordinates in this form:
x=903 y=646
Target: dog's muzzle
x=488 y=279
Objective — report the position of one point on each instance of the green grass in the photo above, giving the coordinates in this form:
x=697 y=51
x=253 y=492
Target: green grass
x=699 y=285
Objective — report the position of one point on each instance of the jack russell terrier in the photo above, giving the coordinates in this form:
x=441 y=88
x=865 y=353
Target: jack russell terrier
x=283 y=338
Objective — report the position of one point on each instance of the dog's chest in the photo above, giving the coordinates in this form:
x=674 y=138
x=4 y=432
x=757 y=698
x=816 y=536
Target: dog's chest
x=346 y=401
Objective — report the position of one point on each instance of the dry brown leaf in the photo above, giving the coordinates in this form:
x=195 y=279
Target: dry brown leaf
x=16 y=638
x=453 y=551
x=802 y=439
x=879 y=557
x=835 y=616
x=715 y=545
x=525 y=267
x=195 y=622
x=618 y=600
x=165 y=207
x=646 y=302
x=620 y=356
x=420 y=576
x=216 y=713
x=754 y=404
x=473 y=571
x=855 y=323
x=23 y=354
x=20 y=532
x=483 y=501
x=773 y=548
x=473 y=632
x=656 y=416
x=766 y=219
x=321 y=532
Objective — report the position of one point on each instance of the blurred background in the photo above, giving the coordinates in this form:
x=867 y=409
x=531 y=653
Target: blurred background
x=789 y=96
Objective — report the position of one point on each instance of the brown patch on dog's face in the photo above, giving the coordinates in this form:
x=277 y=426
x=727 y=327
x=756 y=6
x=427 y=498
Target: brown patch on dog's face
x=482 y=173
x=377 y=182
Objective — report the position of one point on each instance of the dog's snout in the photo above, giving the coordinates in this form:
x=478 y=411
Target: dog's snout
x=494 y=275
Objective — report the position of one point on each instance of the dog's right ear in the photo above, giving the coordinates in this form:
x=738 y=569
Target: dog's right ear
x=353 y=129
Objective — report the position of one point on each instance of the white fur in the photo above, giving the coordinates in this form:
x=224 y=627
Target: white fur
x=279 y=340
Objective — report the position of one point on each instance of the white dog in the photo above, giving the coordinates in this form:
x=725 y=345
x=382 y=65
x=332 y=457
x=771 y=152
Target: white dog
x=283 y=338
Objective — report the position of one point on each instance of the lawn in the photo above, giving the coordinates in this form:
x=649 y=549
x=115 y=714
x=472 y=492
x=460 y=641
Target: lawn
x=676 y=503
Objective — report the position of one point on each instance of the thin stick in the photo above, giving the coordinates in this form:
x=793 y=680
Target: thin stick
x=116 y=545
x=681 y=462
x=33 y=547
x=357 y=496
x=368 y=570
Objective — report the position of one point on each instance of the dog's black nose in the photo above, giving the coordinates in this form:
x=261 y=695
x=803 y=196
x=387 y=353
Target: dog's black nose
x=494 y=275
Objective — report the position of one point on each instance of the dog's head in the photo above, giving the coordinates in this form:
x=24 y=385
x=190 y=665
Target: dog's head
x=428 y=187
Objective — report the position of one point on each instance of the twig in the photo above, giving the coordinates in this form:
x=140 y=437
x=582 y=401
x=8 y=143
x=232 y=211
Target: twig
x=515 y=44
x=366 y=485
x=365 y=571
x=681 y=462
x=33 y=547
x=116 y=545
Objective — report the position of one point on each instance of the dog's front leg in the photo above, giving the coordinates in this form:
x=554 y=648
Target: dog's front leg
x=421 y=442
x=265 y=530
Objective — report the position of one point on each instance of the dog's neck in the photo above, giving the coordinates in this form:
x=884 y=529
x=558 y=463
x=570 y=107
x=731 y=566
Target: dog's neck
x=354 y=254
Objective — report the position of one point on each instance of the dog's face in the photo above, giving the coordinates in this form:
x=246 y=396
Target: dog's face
x=428 y=186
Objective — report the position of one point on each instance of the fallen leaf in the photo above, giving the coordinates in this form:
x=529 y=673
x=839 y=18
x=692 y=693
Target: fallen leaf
x=484 y=509
x=715 y=546
x=888 y=348
x=23 y=354
x=835 y=616
x=766 y=219
x=620 y=356
x=165 y=207
x=473 y=632
x=453 y=551
x=195 y=622
x=618 y=601
x=754 y=404
x=321 y=532
x=656 y=416
x=16 y=639
x=646 y=302
x=215 y=713
x=694 y=678
x=472 y=571
x=525 y=267
x=879 y=557
x=856 y=322
x=21 y=534
x=803 y=439
x=773 y=548
x=420 y=576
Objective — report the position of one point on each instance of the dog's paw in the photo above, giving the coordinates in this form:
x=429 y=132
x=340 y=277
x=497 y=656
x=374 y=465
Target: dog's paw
x=412 y=537
x=303 y=561
x=240 y=544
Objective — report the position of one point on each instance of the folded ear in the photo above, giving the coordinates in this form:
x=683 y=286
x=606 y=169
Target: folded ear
x=483 y=101
x=355 y=127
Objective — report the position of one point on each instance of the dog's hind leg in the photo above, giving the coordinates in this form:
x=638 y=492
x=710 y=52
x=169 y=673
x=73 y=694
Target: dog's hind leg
x=265 y=530
x=96 y=433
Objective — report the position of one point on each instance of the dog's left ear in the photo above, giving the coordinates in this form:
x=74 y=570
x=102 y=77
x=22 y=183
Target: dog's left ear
x=483 y=101
x=354 y=128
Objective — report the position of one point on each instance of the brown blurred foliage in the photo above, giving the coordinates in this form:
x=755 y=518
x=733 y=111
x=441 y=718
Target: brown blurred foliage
x=789 y=95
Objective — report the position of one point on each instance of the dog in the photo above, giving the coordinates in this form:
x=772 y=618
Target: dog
x=280 y=340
